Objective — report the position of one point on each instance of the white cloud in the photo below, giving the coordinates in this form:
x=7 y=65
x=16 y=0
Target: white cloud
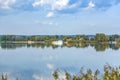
x=47 y=23
x=50 y=14
x=5 y=4
x=50 y=66
x=90 y=5
x=38 y=77
x=51 y=5
x=54 y=4
x=40 y=2
x=59 y=4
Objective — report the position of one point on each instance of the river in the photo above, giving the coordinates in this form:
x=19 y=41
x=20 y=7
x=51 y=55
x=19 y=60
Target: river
x=36 y=63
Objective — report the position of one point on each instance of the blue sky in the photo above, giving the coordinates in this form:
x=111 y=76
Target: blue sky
x=59 y=16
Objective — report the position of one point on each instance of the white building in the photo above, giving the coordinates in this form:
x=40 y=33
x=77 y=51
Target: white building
x=59 y=42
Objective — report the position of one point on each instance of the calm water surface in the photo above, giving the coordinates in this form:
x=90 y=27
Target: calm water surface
x=39 y=64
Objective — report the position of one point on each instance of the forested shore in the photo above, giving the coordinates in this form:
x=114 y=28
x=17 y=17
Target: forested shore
x=98 y=38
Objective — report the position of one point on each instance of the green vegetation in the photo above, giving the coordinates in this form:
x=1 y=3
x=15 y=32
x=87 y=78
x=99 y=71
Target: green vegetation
x=98 y=38
x=100 y=41
x=4 y=77
x=110 y=73
x=101 y=38
x=25 y=39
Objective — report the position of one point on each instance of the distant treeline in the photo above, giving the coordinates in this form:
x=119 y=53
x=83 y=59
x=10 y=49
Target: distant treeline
x=99 y=38
x=100 y=42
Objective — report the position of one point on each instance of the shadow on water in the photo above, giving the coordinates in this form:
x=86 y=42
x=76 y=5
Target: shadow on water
x=96 y=46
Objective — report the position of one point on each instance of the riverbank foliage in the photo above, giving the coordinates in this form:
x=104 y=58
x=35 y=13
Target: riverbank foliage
x=98 y=38
x=109 y=73
x=100 y=41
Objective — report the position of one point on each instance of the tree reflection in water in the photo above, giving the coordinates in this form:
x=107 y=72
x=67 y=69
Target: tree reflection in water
x=96 y=46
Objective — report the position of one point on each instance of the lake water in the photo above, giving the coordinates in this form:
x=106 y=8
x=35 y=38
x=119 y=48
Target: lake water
x=38 y=64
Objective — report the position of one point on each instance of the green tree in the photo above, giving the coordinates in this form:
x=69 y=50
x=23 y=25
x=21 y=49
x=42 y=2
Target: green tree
x=100 y=37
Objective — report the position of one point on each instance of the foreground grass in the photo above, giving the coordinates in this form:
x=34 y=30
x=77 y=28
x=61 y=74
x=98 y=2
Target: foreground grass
x=110 y=73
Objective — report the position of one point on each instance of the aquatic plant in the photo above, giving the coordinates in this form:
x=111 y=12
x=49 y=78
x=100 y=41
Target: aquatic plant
x=110 y=73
